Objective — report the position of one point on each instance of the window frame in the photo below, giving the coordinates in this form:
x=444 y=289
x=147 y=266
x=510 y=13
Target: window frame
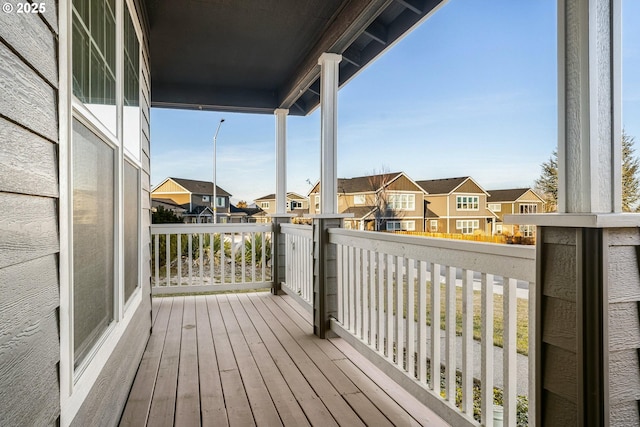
x=466 y=202
x=494 y=209
x=402 y=201
x=264 y=205
x=464 y=225
x=528 y=207
x=433 y=225
x=359 y=199
x=77 y=382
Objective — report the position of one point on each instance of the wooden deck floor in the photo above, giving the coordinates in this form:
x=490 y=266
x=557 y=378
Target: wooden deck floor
x=252 y=359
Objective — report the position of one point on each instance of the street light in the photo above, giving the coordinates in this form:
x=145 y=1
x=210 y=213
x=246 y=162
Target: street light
x=215 y=201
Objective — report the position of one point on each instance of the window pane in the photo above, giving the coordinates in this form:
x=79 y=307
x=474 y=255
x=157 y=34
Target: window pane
x=131 y=230
x=93 y=239
x=94 y=62
x=131 y=108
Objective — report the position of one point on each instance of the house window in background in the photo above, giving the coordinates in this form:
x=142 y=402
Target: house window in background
x=402 y=201
x=433 y=225
x=220 y=202
x=467 y=203
x=359 y=199
x=467 y=226
x=495 y=207
x=264 y=205
x=528 y=208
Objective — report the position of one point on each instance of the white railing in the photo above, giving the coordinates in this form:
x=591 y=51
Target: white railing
x=208 y=257
x=382 y=275
x=299 y=256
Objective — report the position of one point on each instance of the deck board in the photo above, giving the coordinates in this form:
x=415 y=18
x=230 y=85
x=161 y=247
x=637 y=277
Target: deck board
x=252 y=359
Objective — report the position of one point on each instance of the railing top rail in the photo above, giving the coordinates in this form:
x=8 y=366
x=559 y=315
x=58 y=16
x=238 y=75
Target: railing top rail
x=209 y=228
x=514 y=261
x=298 y=230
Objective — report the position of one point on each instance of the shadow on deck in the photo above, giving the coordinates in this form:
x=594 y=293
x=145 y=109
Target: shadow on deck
x=252 y=359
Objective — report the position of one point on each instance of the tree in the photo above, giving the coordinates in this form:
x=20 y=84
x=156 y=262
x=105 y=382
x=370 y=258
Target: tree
x=547 y=184
x=164 y=216
x=242 y=204
x=630 y=182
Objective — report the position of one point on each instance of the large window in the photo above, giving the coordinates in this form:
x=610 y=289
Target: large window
x=359 y=199
x=467 y=226
x=104 y=185
x=495 y=207
x=402 y=201
x=93 y=239
x=467 y=203
x=528 y=230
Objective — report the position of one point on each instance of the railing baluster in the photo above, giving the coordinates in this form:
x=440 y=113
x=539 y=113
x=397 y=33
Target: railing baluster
x=399 y=284
x=422 y=322
x=243 y=255
x=212 y=257
x=372 y=299
x=352 y=289
x=340 y=263
x=358 y=292
x=467 y=342
x=411 y=321
x=253 y=255
x=179 y=261
x=233 y=257
x=190 y=259
x=450 y=377
x=365 y=295
x=200 y=257
x=264 y=256
x=380 y=305
x=167 y=240
x=389 y=306
x=435 y=328
x=156 y=256
x=346 y=290
x=487 y=349
x=509 y=361
x=222 y=260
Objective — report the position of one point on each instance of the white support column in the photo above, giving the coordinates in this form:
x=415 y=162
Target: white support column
x=281 y=160
x=589 y=106
x=329 y=63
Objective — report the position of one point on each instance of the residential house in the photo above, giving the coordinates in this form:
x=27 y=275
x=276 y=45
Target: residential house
x=457 y=206
x=382 y=202
x=296 y=204
x=243 y=214
x=195 y=197
x=167 y=204
x=514 y=201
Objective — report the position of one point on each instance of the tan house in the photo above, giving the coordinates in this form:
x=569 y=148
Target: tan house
x=296 y=204
x=386 y=202
x=195 y=197
x=457 y=206
x=514 y=201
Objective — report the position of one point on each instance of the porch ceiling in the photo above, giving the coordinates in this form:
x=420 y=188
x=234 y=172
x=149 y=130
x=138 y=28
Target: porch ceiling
x=259 y=55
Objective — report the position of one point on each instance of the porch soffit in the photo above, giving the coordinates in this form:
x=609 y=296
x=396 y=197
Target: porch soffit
x=259 y=55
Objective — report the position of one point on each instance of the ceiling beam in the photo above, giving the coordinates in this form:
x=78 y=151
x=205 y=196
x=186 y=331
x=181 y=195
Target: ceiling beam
x=377 y=32
x=412 y=5
x=344 y=28
x=352 y=56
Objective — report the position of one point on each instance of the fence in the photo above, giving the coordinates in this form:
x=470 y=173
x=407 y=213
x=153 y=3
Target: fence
x=299 y=268
x=390 y=299
x=206 y=257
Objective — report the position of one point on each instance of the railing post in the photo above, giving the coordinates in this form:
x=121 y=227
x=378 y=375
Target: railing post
x=278 y=258
x=325 y=273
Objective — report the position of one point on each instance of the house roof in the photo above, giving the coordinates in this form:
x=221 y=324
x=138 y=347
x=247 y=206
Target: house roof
x=200 y=210
x=200 y=187
x=290 y=195
x=508 y=195
x=362 y=184
x=164 y=201
x=259 y=55
x=249 y=211
x=442 y=186
x=360 y=212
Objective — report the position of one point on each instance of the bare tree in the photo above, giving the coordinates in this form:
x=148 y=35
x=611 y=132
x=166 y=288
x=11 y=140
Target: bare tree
x=382 y=209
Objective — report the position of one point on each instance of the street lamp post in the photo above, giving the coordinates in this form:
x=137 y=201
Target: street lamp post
x=215 y=201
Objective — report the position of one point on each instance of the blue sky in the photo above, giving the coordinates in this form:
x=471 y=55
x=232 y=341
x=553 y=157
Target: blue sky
x=472 y=91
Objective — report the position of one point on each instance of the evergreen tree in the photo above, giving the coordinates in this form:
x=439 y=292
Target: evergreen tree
x=547 y=184
x=630 y=182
